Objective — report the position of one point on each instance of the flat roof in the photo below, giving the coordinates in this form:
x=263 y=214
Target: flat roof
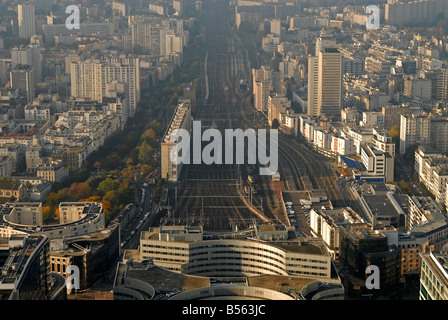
x=380 y=205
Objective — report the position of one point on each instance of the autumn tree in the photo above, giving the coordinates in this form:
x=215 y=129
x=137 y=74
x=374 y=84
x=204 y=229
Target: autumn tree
x=145 y=153
x=107 y=185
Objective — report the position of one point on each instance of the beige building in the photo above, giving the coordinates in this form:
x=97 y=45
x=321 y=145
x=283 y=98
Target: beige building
x=184 y=250
x=89 y=79
x=313 y=69
x=26 y=21
x=23 y=213
x=277 y=105
x=329 y=83
x=180 y=120
x=54 y=171
x=262 y=87
x=414 y=129
x=10 y=191
x=434 y=276
x=325 y=224
x=392 y=115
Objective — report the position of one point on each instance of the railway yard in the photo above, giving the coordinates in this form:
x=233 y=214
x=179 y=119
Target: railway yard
x=226 y=198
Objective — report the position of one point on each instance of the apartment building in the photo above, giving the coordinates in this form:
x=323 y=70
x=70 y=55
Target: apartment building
x=414 y=129
x=53 y=171
x=181 y=249
x=378 y=163
x=326 y=224
x=181 y=120
x=89 y=79
x=434 y=276
x=262 y=85
x=329 y=83
x=276 y=105
x=26 y=20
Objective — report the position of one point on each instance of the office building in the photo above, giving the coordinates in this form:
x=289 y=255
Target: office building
x=23 y=78
x=25 y=265
x=414 y=129
x=262 y=87
x=313 y=76
x=400 y=13
x=180 y=120
x=434 y=276
x=28 y=55
x=326 y=223
x=360 y=247
x=90 y=79
x=378 y=163
x=392 y=115
x=180 y=249
x=329 y=83
x=26 y=21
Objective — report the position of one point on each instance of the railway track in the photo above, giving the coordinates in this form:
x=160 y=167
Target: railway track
x=209 y=194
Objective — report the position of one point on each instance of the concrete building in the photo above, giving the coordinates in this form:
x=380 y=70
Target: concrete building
x=313 y=75
x=378 y=163
x=383 y=141
x=23 y=78
x=180 y=120
x=329 y=83
x=179 y=249
x=342 y=146
x=380 y=66
x=90 y=78
x=360 y=246
x=28 y=55
x=91 y=219
x=24 y=261
x=277 y=105
x=262 y=86
x=26 y=20
x=417 y=88
x=381 y=206
x=326 y=223
x=54 y=171
x=400 y=13
x=439 y=133
x=414 y=129
x=434 y=276
x=23 y=213
x=372 y=119
x=392 y=115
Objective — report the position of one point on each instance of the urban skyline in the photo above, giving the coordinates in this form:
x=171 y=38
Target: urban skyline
x=192 y=150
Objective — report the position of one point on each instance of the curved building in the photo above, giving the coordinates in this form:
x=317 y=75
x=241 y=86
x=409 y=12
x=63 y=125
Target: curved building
x=182 y=249
x=176 y=262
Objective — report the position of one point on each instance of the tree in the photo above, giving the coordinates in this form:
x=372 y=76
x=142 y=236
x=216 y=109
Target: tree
x=157 y=126
x=79 y=190
x=98 y=165
x=275 y=124
x=395 y=134
x=150 y=136
x=107 y=185
x=145 y=153
x=53 y=199
x=48 y=215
